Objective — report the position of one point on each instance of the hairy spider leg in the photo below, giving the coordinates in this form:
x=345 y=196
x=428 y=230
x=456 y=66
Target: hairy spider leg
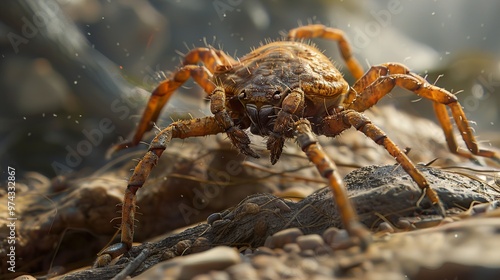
x=381 y=79
x=344 y=119
x=321 y=31
x=180 y=129
x=238 y=137
x=328 y=170
x=220 y=122
x=159 y=97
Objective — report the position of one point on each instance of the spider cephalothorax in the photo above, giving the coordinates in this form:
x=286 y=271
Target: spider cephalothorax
x=289 y=89
x=259 y=86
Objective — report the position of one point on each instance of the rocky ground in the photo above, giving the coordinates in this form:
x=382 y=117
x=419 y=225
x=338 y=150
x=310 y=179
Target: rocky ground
x=265 y=237
x=268 y=222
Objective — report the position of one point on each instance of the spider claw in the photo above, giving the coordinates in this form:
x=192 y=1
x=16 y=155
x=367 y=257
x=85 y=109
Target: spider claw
x=275 y=145
x=274 y=158
x=440 y=209
x=246 y=150
x=241 y=141
x=109 y=253
x=438 y=205
x=475 y=160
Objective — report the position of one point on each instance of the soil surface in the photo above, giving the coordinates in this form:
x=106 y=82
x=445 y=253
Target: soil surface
x=300 y=240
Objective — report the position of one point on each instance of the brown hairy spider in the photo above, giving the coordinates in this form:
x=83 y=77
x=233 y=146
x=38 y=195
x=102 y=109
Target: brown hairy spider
x=288 y=89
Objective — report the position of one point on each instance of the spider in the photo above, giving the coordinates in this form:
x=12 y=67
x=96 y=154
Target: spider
x=289 y=89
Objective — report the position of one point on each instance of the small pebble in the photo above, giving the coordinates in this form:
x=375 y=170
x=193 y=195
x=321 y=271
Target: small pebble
x=220 y=223
x=385 y=227
x=329 y=234
x=219 y=275
x=309 y=265
x=187 y=267
x=310 y=241
x=268 y=273
x=182 y=247
x=323 y=250
x=269 y=242
x=200 y=244
x=213 y=217
x=342 y=237
x=264 y=251
x=25 y=277
x=225 y=213
x=279 y=239
x=324 y=272
x=403 y=224
x=250 y=208
x=202 y=277
x=262 y=261
x=291 y=248
x=321 y=277
x=247 y=251
x=307 y=253
x=481 y=208
x=242 y=271
x=280 y=252
x=167 y=255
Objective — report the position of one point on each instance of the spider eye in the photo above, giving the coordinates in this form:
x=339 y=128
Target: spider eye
x=277 y=95
x=242 y=95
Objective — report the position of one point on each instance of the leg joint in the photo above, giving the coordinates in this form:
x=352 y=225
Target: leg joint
x=375 y=133
x=304 y=134
x=306 y=140
x=133 y=188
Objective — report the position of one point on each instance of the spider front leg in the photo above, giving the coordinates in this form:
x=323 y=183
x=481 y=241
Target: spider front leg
x=381 y=79
x=180 y=129
x=238 y=137
x=292 y=104
x=328 y=170
x=202 y=75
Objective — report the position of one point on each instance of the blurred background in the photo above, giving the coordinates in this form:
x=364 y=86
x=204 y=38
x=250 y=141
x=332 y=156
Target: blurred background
x=75 y=75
